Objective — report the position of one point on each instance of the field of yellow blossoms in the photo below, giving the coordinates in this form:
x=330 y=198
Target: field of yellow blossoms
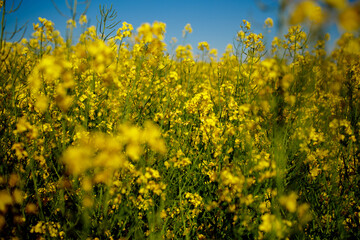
x=117 y=139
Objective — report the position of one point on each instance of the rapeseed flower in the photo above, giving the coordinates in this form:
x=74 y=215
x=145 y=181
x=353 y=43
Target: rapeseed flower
x=338 y=4
x=145 y=33
x=307 y=10
x=269 y=22
x=83 y=20
x=247 y=24
x=187 y=29
x=5 y=201
x=202 y=46
x=289 y=202
x=70 y=23
x=349 y=18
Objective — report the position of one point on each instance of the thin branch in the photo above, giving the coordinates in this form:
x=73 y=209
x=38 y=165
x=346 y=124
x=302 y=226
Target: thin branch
x=17 y=30
x=86 y=7
x=12 y=9
x=265 y=6
x=58 y=10
x=67 y=4
x=73 y=10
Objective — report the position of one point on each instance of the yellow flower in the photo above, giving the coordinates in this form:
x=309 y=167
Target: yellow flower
x=241 y=34
x=87 y=184
x=247 y=24
x=338 y=4
x=349 y=19
x=127 y=26
x=38 y=228
x=267 y=220
x=152 y=135
x=83 y=19
x=315 y=172
x=286 y=81
x=289 y=202
x=18 y=196
x=20 y=152
x=31 y=208
x=158 y=29
x=22 y=125
x=77 y=159
x=50 y=67
x=163 y=214
x=187 y=29
x=14 y=180
x=269 y=22
x=133 y=150
x=145 y=32
x=307 y=10
x=42 y=103
x=124 y=31
x=70 y=23
x=303 y=213
x=184 y=51
x=213 y=52
x=173 y=76
x=203 y=45
x=5 y=199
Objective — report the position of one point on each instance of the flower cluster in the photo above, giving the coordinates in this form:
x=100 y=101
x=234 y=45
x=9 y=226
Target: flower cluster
x=115 y=139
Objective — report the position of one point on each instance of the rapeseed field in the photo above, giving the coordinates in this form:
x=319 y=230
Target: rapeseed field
x=112 y=137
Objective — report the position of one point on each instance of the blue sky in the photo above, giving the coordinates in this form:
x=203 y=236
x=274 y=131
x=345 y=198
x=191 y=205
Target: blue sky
x=214 y=21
